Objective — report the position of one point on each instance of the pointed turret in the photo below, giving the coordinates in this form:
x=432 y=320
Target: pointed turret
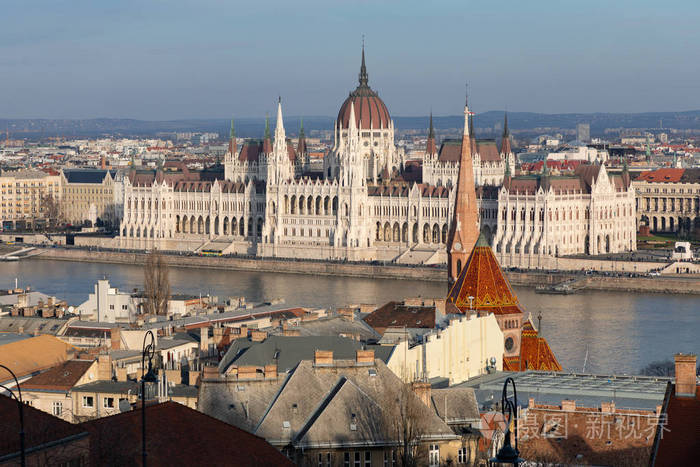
x=430 y=147
x=232 y=148
x=505 y=139
x=267 y=142
x=301 y=145
x=280 y=135
x=464 y=229
x=626 y=174
x=364 y=79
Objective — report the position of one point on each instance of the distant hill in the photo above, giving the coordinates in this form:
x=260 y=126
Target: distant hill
x=253 y=127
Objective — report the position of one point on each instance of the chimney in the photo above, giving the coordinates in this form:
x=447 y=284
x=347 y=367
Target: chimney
x=422 y=390
x=121 y=373
x=258 y=336
x=104 y=367
x=218 y=335
x=323 y=358
x=116 y=338
x=22 y=300
x=244 y=330
x=607 y=407
x=685 y=375
x=204 y=339
x=568 y=405
x=364 y=357
x=271 y=371
x=531 y=403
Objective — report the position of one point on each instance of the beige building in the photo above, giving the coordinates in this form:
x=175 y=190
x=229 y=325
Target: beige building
x=469 y=346
x=89 y=196
x=24 y=199
x=668 y=200
x=50 y=391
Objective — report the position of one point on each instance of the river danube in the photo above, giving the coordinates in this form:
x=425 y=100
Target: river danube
x=619 y=332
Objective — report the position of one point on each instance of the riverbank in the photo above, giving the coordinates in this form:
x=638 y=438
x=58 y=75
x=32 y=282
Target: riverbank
x=669 y=285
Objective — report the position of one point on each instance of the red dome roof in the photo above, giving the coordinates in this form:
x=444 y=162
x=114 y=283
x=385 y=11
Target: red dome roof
x=370 y=111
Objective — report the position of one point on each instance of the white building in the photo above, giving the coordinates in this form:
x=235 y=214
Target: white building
x=534 y=219
x=468 y=346
x=108 y=305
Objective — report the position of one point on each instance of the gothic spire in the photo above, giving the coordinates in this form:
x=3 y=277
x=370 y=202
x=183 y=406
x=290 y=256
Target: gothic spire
x=280 y=135
x=505 y=140
x=430 y=147
x=301 y=145
x=363 y=69
x=232 y=139
x=267 y=143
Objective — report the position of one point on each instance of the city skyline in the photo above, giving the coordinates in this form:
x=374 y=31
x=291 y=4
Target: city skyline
x=210 y=60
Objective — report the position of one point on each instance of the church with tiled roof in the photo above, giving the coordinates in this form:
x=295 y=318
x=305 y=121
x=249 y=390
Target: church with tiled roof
x=482 y=288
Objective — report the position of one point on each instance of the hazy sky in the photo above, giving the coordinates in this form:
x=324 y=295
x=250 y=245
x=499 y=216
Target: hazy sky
x=173 y=59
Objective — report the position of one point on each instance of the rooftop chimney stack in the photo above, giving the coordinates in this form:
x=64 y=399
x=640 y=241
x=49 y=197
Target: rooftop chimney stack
x=685 y=375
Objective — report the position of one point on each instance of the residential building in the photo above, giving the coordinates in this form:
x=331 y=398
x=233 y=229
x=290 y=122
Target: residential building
x=668 y=200
x=108 y=305
x=89 y=197
x=50 y=390
x=102 y=398
x=333 y=411
x=462 y=348
x=583 y=132
x=28 y=199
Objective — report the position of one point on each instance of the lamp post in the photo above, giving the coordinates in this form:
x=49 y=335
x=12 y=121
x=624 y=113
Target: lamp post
x=148 y=350
x=509 y=454
x=20 y=406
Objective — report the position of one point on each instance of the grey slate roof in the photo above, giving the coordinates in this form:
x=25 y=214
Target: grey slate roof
x=455 y=405
x=86 y=175
x=336 y=326
x=291 y=350
x=109 y=387
x=332 y=406
x=32 y=324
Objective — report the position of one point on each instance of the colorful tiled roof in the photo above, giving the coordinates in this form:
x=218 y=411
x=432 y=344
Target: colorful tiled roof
x=535 y=353
x=482 y=278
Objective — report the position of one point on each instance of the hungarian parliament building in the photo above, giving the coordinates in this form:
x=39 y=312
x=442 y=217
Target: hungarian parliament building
x=363 y=205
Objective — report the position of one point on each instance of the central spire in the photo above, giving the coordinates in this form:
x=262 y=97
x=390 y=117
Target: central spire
x=363 y=69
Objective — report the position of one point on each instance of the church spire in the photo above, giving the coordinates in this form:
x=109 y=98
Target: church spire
x=301 y=145
x=267 y=143
x=464 y=229
x=430 y=147
x=505 y=139
x=363 y=69
x=232 y=139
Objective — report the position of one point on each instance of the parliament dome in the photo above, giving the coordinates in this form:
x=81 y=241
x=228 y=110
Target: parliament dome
x=370 y=111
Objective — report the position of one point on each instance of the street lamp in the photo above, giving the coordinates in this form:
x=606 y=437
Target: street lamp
x=20 y=405
x=150 y=378
x=509 y=454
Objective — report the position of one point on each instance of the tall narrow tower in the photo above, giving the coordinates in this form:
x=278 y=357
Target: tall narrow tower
x=464 y=230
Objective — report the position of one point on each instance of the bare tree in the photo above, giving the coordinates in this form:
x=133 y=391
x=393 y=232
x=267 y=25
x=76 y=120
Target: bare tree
x=409 y=426
x=156 y=284
x=51 y=208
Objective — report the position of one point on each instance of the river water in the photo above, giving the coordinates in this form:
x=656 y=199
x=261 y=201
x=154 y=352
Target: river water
x=620 y=332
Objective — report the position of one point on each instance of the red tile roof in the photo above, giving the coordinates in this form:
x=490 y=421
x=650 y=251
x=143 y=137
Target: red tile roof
x=661 y=176
x=59 y=378
x=678 y=436
x=398 y=315
x=177 y=435
x=39 y=428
